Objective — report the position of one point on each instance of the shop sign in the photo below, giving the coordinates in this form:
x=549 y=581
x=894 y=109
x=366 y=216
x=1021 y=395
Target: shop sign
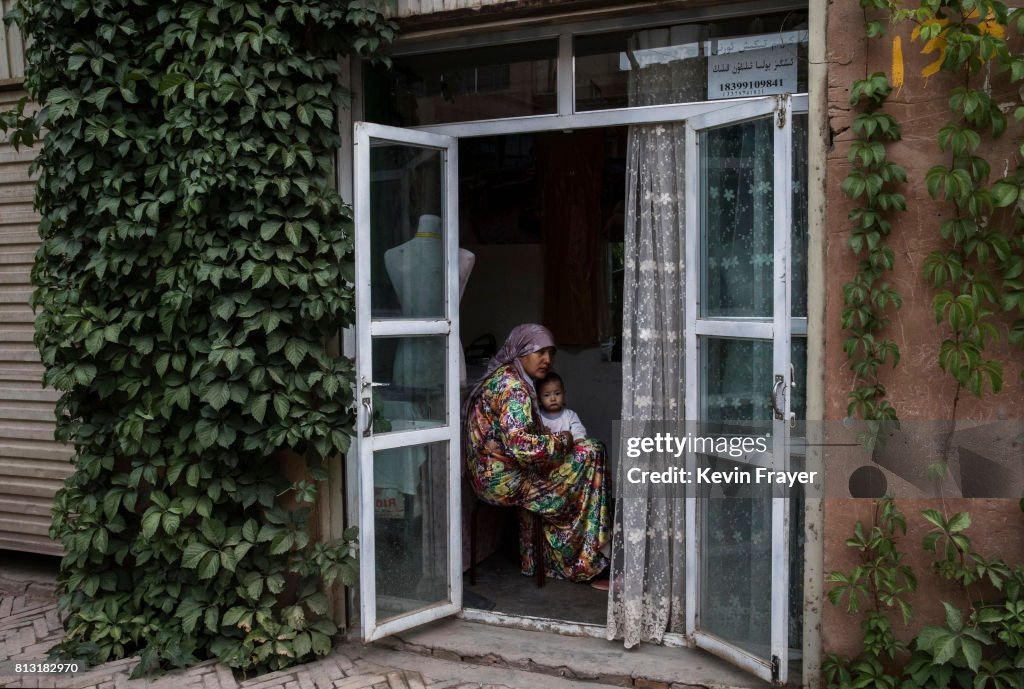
x=760 y=65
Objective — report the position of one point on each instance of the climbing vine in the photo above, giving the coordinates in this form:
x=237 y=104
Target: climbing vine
x=873 y=183
x=979 y=644
x=195 y=255
x=978 y=276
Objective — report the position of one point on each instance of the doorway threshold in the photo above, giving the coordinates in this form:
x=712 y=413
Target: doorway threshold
x=577 y=658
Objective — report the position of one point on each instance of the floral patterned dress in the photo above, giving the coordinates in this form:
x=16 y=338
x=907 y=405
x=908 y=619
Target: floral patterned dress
x=513 y=463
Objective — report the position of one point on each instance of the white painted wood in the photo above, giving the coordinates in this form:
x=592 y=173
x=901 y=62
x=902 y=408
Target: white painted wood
x=367 y=329
x=782 y=352
x=597 y=118
x=395 y=439
x=395 y=327
x=691 y=356
x=761 y=330
x=732 y=654
x=778 y=331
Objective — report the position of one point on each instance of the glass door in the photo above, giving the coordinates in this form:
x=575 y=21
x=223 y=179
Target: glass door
x=738 y=372
x=407 y=441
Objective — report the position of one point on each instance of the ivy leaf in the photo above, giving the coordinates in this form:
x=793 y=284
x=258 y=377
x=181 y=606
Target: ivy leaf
x=281 y=406
x=269 y=228
x=100 y=540
x=303 y=644
x=234 y=615
x=228 y=559
x=209 y=565
x=218 y=395
x=258 y=408
x=171 y=522
x=295 y=351
x=150 y=522
x=206 y=433
x=954 y=620
x=111 y=503
x=958 y=522
x=213 y=530
x=1004 y=194
x=321 y=643
x=170 y=82
x=193 y=554
x=282 y=543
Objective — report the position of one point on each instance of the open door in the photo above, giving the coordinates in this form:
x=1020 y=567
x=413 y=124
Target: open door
x=407 y=442
x=738 y=372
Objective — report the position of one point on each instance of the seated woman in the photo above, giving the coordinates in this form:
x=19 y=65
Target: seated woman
x=512 y=462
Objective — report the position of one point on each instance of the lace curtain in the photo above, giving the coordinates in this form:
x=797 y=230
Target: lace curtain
x=647 y=571
x=647 y=590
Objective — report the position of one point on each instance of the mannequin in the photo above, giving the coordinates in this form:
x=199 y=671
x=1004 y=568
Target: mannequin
x=416 y=269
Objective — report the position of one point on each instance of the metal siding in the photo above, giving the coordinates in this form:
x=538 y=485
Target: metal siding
x=12 y=50
x=32 y=464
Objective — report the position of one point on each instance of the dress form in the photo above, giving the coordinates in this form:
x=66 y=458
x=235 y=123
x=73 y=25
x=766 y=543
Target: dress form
x=416 y=270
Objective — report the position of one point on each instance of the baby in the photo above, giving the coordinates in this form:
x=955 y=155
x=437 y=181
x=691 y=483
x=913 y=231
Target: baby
x=553 y=414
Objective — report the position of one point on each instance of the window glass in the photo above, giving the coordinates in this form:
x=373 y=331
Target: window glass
x=410 y=525
x=731 y=58
x=511 y=80
x=799 y=205
x=738 y=220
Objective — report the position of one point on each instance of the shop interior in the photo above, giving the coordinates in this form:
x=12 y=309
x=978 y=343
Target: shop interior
x=543 y=216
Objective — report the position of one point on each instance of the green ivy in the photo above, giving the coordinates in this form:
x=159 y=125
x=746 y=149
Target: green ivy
x=872 y=183
x=195 y=257
x=980 y=644
x=979 y=275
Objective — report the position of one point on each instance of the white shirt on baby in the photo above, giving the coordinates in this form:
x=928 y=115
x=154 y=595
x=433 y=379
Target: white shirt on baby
x=565 y=420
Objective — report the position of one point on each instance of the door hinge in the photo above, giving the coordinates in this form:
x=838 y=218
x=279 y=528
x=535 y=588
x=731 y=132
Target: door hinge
x=775 y=669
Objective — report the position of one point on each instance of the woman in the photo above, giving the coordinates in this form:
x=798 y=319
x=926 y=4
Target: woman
x=513 y=462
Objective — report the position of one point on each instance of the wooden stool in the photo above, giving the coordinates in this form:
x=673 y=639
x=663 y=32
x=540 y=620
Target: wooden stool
x=538 y=540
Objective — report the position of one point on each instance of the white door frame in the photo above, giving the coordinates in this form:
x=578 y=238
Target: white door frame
x=696 y=115
x=367 y=328
x=778 y=331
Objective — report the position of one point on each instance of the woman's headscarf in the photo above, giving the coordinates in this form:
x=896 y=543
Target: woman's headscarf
x=524 y=339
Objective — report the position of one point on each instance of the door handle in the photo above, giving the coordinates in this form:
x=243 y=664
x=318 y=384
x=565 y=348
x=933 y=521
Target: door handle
x=367 y=416
x=367 y=404
x=779 y=389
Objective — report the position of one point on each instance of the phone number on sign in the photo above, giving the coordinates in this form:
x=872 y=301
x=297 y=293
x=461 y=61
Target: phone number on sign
x=47 y=668
x=751 y=85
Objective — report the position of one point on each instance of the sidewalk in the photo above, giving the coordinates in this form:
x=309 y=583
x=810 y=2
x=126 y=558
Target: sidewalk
x=29 y=626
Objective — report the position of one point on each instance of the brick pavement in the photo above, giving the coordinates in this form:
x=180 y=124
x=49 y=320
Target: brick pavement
x=30 y=625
